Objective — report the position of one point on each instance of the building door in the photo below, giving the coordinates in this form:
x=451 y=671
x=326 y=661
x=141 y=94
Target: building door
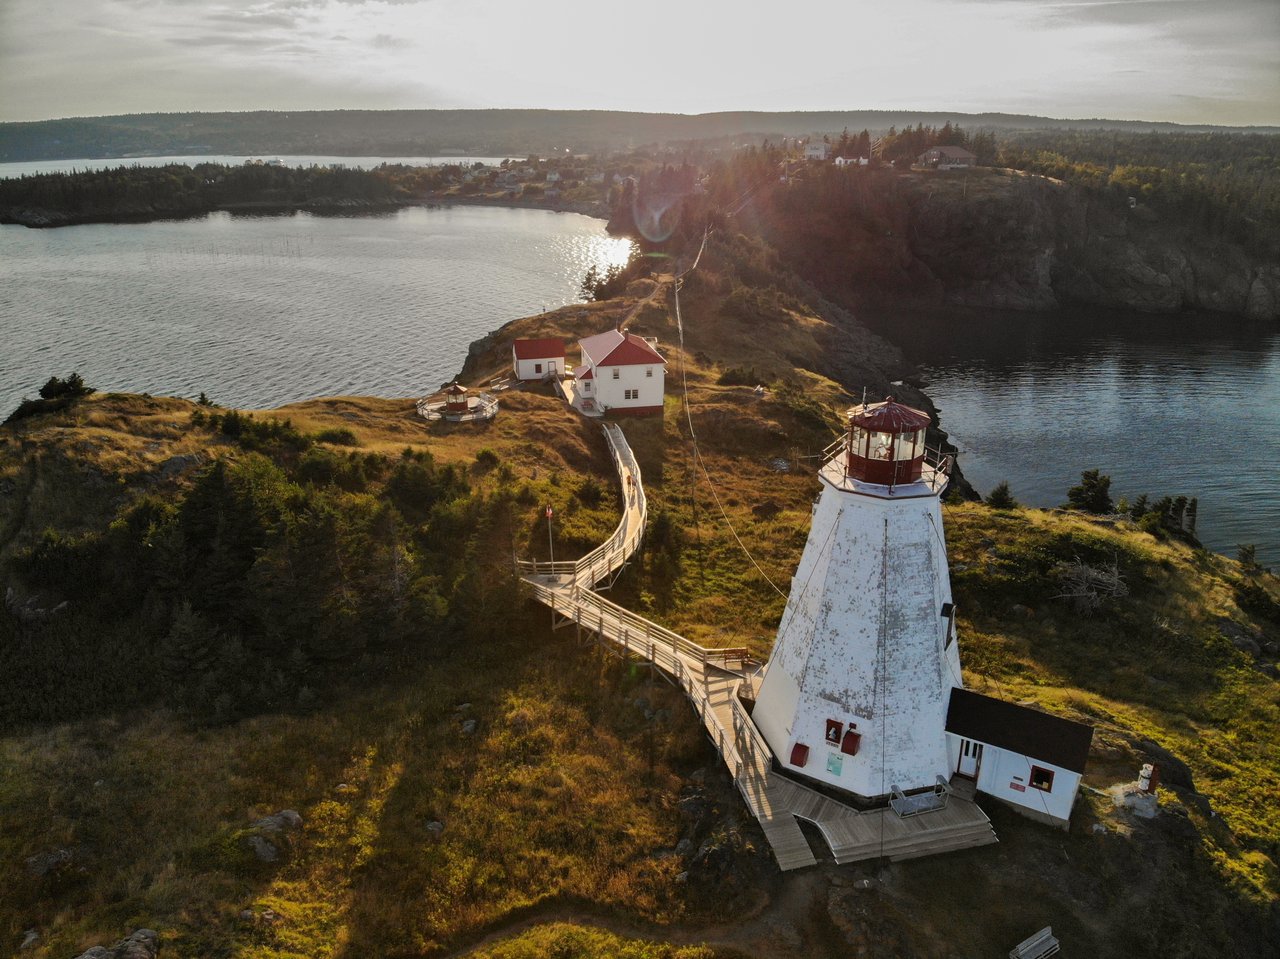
x=970 y=759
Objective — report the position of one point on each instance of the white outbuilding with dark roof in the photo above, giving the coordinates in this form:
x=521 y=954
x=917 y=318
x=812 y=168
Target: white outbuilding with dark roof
x=1021 y=756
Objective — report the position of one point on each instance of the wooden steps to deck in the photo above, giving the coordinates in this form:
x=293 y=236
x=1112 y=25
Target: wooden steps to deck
x=880 y=832
x=790 y=848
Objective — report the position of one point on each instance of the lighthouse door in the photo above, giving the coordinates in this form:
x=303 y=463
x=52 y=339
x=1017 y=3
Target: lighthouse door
x=970 y=759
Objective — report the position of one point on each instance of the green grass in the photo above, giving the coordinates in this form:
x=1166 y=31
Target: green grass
x=552 y=799
x=569 y=941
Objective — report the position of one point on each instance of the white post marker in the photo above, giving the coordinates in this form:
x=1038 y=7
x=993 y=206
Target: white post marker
x=551 y=547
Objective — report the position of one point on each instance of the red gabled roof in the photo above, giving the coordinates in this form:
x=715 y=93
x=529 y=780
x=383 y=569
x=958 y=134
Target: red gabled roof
x=616 y=348
x=633 y=351
x=539 y=349
x=585 y=373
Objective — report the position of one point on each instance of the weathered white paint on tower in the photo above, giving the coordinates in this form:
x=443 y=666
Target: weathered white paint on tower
x=864 y=644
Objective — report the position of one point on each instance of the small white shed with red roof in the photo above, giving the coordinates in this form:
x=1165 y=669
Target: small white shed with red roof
x=621 y=373
x=537 y=359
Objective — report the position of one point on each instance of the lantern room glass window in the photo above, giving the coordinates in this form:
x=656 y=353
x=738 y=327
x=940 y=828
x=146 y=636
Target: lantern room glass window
x=873 y=445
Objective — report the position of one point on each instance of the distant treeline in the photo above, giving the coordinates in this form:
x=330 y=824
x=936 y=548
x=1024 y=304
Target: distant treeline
x=1227 y=184
x=474 y=132
x=180 y=189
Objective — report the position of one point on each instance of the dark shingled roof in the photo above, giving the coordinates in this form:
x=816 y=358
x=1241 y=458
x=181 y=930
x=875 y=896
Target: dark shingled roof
x=1036 y=735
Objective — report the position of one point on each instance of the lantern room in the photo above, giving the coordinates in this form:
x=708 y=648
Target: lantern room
x=886 y=443
x=455 y=398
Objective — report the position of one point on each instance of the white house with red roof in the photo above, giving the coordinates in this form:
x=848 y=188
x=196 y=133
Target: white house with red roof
x=537 y=359
x=620 y=373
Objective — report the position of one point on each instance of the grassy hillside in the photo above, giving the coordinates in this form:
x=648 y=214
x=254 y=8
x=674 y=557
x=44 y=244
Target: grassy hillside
x=467 y=778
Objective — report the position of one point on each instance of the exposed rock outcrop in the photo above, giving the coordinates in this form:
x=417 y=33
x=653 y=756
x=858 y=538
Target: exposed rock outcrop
x=141 y=944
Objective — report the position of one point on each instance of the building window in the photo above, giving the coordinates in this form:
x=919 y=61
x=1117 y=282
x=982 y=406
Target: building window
x=649 y=372
x=615 y=372
x=537 y=367
x=1042 y=779
x=631 y=394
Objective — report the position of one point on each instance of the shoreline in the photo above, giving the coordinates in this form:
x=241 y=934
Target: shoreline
x=43 y=219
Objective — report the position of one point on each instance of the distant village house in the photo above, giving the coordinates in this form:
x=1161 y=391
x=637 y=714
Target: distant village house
x=816 y=150
x=947 y=158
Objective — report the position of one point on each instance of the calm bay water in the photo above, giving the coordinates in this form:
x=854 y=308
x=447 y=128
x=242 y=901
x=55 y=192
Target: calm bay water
x=1164 y=405
x=261 y=311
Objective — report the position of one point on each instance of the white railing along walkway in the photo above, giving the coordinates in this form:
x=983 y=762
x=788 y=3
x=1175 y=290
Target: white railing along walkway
x=709 y=677
x=611 y=555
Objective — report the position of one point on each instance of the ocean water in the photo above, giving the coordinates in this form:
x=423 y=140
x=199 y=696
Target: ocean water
x=257 y=311
x=1165 y=405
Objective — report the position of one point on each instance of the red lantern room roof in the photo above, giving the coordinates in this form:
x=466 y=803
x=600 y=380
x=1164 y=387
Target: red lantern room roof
x=456 y=389
x=888 y=417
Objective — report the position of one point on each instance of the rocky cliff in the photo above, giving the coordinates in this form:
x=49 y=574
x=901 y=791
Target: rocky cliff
x=1007 y=240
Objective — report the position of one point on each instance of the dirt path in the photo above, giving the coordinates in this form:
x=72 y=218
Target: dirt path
x=660 y=283
x=781 y=928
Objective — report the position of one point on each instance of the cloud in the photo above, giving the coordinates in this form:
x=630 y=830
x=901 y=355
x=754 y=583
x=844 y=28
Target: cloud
x=286 y=21
x=385 y=41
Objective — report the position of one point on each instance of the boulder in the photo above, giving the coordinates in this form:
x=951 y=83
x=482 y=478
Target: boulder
x=1243 y=638
x=271 y=836
x=140 y=944
x=263 y=849
x=286 y=820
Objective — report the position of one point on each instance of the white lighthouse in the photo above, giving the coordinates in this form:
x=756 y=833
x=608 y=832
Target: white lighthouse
x=857 y=690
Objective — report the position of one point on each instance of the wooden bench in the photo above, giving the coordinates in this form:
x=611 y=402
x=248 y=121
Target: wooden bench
x=1037 y=947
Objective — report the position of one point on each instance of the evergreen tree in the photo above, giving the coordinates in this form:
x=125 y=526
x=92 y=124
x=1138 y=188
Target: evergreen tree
x=1093 y=495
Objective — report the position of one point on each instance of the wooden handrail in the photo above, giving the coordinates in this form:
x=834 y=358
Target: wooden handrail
x=687 y=661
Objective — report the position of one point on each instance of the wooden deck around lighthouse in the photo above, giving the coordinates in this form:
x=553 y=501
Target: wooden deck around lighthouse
x=711 y=679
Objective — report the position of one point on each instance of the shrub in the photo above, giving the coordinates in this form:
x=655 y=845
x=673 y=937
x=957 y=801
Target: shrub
x=72 y=387
x=738 y=376
x=338 y=436
x=56 y=394
x=590 y=492
x=1001 y=498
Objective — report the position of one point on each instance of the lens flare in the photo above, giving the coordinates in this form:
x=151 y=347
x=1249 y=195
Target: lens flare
x=656 y=217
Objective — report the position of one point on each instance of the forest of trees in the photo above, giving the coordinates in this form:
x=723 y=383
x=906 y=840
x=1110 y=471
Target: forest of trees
x=1227 y=184
x=277 y=576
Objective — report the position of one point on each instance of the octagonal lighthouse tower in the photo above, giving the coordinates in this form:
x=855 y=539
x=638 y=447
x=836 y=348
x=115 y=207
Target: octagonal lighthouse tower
x=857 y=688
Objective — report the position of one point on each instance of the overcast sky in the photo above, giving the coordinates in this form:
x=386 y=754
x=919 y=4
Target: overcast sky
x=1190 y=61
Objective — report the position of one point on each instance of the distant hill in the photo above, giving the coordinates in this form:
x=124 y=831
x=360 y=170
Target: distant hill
x=472 y=132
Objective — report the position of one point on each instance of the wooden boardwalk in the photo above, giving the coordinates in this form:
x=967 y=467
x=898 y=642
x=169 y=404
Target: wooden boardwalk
x=712 y=680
